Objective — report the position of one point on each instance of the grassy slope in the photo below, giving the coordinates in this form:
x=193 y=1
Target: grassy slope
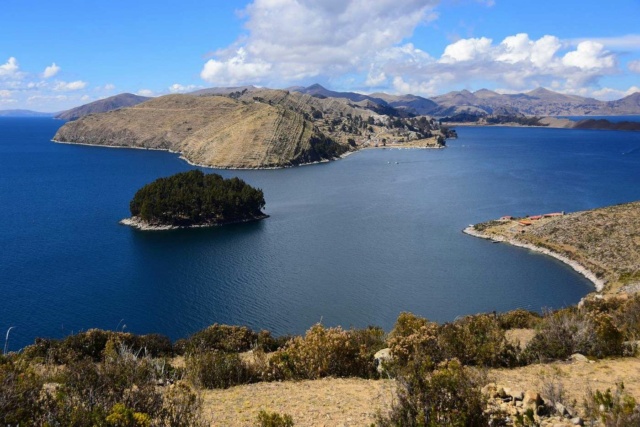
x=605 y=241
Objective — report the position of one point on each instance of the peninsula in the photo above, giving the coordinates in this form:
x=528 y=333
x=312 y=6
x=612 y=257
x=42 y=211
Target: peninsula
x=193 y=199
x=258 y=128
x=603 y=244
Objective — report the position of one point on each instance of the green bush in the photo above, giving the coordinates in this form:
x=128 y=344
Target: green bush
x=478 y=341
x=324 y=352
x=217 y=369
x=20 y=390
x=273 y=419
x=519 y=318
x=220 y=338
x=571 y=330
x=446 y=394
x=617 y=409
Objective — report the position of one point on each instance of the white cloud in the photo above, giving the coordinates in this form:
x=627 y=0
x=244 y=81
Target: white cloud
x=69 y=86
x=634 y=66
x=632 y=90
x=145 y=92
x=5 y=94
x=466 y=50
x=109 y=86
x=629 y=41
x=10 y=68
x=588 y=56
x=51 y=71
x=291 y=40
x=178 y=88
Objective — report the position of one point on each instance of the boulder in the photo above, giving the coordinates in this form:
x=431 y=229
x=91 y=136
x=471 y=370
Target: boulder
x=381 y=357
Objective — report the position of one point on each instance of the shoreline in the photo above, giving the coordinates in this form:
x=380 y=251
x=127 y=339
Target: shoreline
x=199 y=165
x=139 y=224
x=579 y=268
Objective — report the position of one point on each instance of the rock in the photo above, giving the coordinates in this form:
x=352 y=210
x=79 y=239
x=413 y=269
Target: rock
x=501 y=393
x=577 y=357
x=577 y=421
x=561 y=409
x=531 y=400
x=381 y=357
x=489 y=390
x=517 y=394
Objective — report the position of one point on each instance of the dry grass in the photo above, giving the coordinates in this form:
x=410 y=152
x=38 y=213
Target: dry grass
x=326 y=402
x=605 y=241
x=575 y=377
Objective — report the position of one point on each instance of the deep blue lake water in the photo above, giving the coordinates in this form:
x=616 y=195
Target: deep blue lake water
x=352 y=242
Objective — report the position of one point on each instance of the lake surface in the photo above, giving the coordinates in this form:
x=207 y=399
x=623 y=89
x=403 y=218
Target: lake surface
x=352 y=242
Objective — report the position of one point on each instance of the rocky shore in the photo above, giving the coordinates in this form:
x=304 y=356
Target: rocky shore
x=601 y=244
x=140 y=224
x=598 y=283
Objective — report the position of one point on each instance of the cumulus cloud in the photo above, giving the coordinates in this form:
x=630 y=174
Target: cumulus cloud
x=10 y=68
x=51 y=71
x=515 y=63
x=69 y=86
x=145 y=92
x=290 y=40
x=634 y=66
x=5 y=94
x=178 y=88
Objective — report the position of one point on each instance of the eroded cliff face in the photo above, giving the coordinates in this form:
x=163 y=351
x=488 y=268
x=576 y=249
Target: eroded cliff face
x=213 y=131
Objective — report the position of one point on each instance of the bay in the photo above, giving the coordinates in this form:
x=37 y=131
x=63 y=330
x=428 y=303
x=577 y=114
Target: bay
x=352 y=242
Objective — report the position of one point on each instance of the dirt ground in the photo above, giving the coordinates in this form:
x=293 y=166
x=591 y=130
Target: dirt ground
x=354 y=402
x=326 y=402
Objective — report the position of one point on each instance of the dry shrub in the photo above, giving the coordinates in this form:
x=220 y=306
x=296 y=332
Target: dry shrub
x=569 y=331
x=324 y=352
x=413 y=335
x=219 y=338
x=274 y=419
x=217 y=369
x=19 y=393
x=519 y=319
x=446 y=394
x=478 y=341
x=617 y=409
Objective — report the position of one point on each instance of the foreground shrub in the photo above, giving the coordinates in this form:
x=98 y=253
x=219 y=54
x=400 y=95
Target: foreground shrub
x=617 y=409
x=121 y=390
x=474 y=340
x=519 y=318
x=19 y=393
x=569 y=331
x=91 y=345
x=413 y=335
x=478 y=341
x=221 y=338
x=274 y=419
x=217 y=369
x=446 y=394
x=324 y=352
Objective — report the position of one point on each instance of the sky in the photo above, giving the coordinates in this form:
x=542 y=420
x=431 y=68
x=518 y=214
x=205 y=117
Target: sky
x=55 y=55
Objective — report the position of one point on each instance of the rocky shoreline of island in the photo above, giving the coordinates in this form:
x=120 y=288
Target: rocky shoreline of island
x=140 y=224
x=591 y=276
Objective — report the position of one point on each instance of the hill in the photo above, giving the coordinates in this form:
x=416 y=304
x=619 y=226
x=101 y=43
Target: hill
x=407 y=104
x=259 y=128
x=102 y=106
x=24 y=113
x=602 y=243
x=538 y=102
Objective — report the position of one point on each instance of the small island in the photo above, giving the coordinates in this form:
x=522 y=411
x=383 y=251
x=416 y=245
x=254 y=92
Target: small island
x=194 y=199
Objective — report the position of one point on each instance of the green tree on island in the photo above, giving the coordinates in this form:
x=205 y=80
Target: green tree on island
x=195 y=198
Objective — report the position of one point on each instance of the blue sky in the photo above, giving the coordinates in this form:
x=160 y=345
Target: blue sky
x=59 y=54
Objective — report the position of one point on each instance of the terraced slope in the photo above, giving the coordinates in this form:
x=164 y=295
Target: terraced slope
x=213 y=131
x=259 y=128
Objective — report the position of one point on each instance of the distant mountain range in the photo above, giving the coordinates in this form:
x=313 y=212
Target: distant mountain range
x=483 y=102
x=24 y=113
x=102 y=106
x=538 y=102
